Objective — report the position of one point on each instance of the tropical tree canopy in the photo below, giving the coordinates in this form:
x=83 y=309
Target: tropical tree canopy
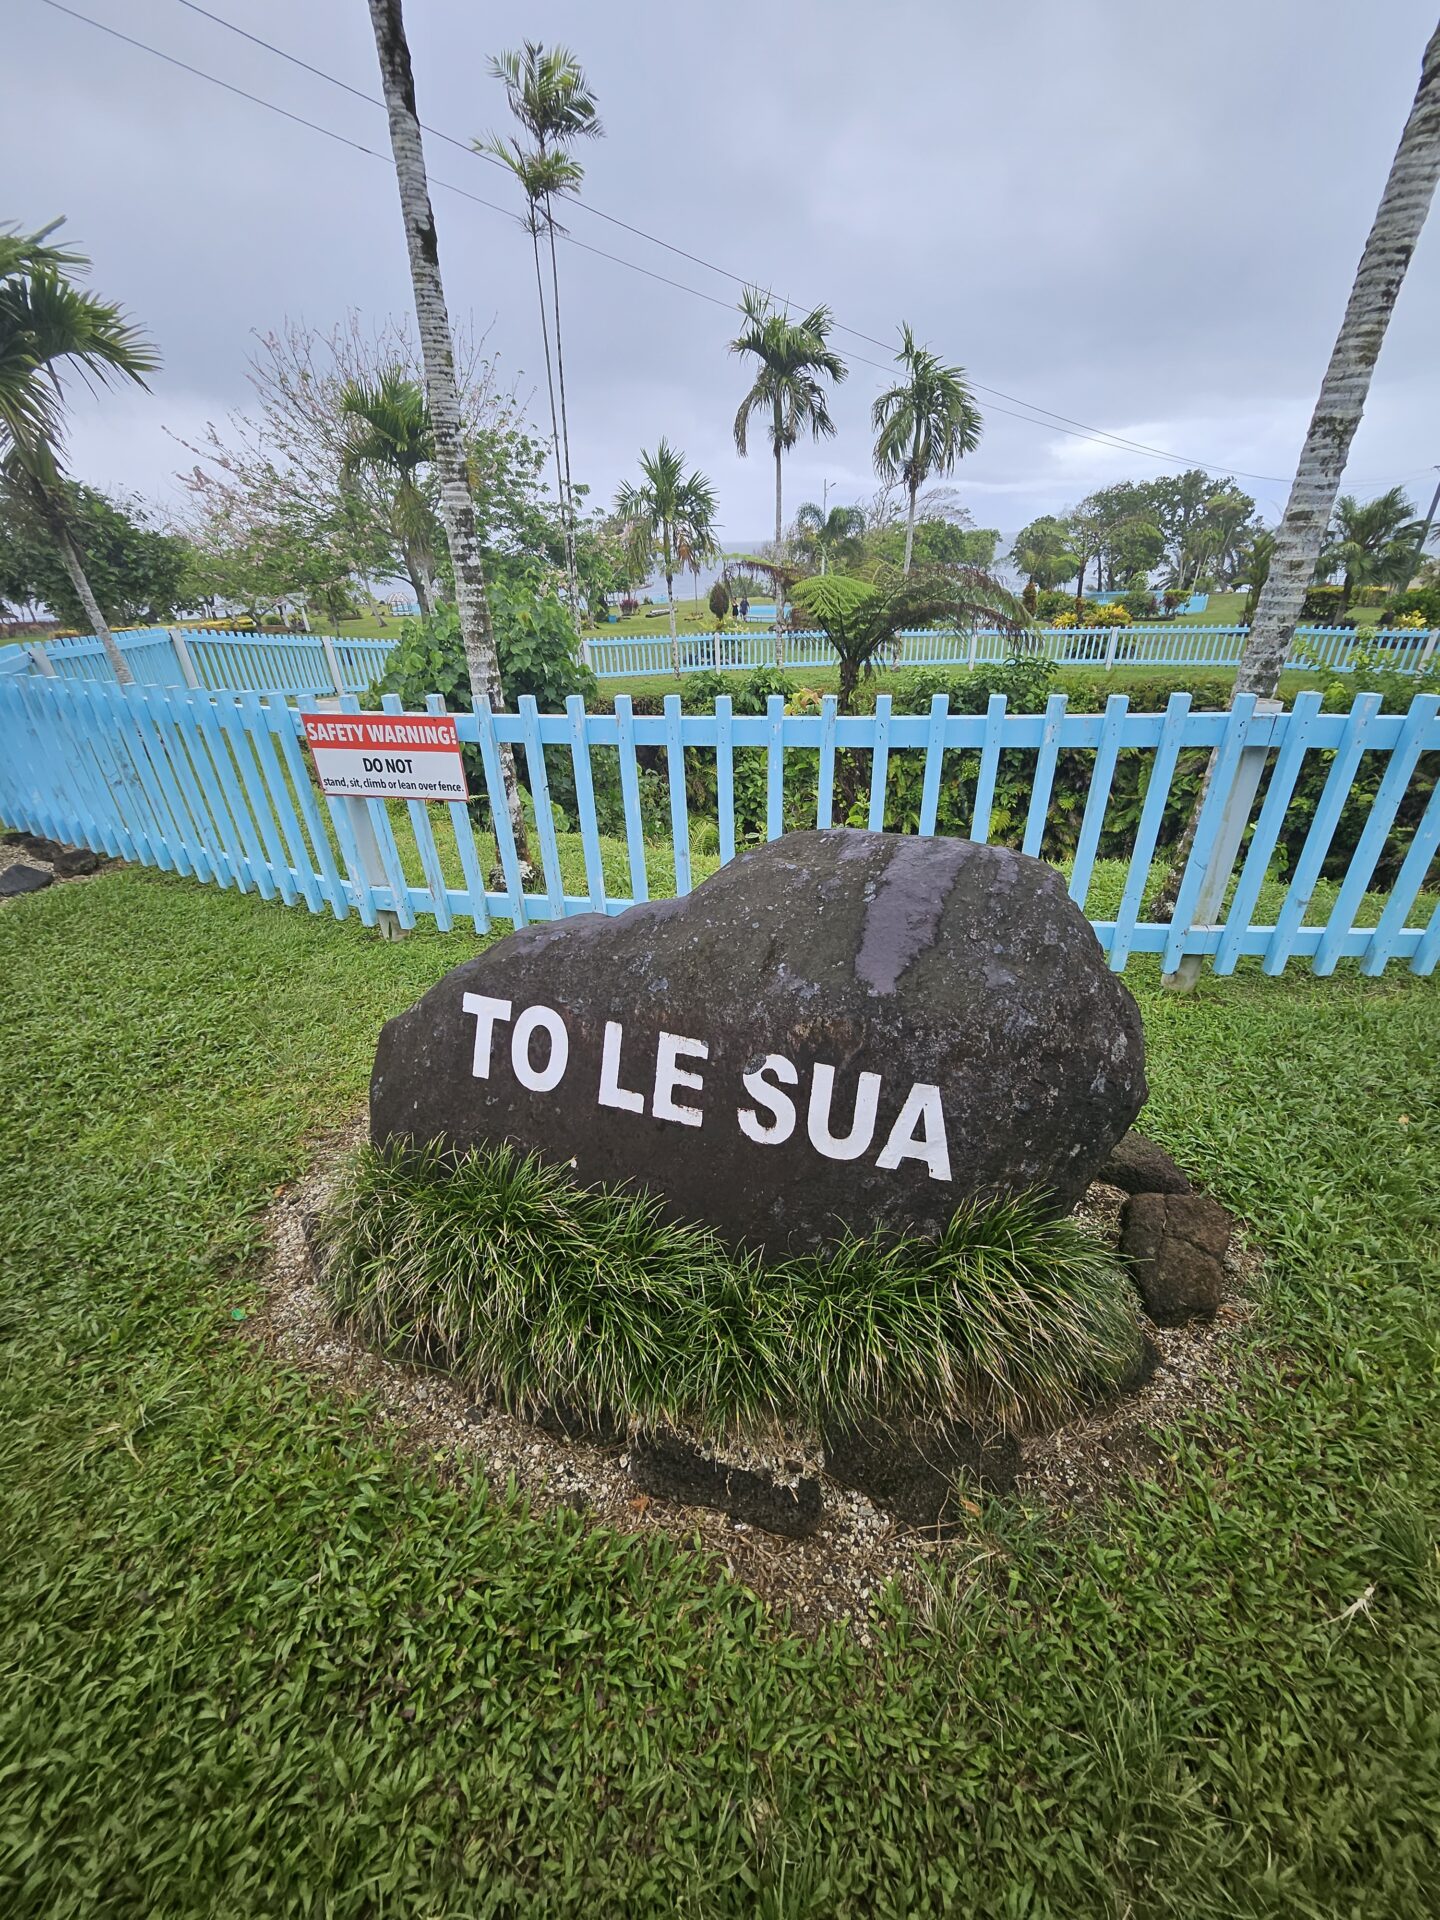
x=1042 y=552
x=824 y=538
x=863 y=618
x=138 y=572
x=924 y=423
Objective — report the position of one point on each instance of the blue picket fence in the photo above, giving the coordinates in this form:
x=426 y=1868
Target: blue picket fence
x=297 y=663
x=1193 y=648
x=288 y=663
x=220 y=788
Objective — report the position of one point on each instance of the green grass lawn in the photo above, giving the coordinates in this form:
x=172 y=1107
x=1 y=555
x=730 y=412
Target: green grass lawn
x=258 y=1662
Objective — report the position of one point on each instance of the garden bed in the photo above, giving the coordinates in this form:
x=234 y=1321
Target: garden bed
x=835 y=1573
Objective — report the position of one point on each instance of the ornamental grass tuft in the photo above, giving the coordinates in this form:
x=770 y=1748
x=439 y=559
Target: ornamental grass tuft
x=538 y=1292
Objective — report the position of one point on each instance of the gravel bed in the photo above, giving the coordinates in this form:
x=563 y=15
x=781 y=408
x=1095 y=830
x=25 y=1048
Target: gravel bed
x=834 y=1575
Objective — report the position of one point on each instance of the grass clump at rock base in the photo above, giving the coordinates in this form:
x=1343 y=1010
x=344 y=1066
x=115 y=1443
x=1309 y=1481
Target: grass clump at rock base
x=539 y=1292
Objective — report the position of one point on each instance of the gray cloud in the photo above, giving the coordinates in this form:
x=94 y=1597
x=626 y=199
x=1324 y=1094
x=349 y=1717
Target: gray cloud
x=1136 y=213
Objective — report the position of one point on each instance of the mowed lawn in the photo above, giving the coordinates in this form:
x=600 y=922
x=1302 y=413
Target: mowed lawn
x=257 y=1662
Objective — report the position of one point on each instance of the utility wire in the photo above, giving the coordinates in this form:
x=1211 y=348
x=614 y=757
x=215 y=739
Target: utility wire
x=1052 y=423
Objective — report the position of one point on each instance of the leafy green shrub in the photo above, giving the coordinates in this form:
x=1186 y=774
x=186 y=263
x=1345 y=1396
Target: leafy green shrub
x=534 y=638
x=1141 y=604
x=1322 y=605
x=1422 y=600
x=1051 y=601
x=502 y=1270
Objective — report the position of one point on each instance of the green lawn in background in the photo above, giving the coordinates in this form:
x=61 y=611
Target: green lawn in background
x=256 y=1661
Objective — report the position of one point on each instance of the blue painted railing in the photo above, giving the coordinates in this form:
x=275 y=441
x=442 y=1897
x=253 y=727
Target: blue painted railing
x=288 y=663
x=221 y=788
x=628 y=656
x=296 y=663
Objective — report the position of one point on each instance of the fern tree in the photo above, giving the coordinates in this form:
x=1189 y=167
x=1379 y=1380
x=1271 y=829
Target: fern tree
x=863 y=620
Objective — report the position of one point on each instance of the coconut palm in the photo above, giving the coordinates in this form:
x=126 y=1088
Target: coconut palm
x=1372 y=542
x=923 y=424
x=551 y=98
x=388 y=436
x=1300 y=536
x=49 y=326
x=437 y=353
x=670 y=514
x=824 y=536
x=794 y=360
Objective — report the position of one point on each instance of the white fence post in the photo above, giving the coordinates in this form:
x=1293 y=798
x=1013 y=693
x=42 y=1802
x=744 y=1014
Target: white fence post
x=1221 y=864
x=1110 y=649
x=387 y=924
x=1427 y=651
x=585 y=659
x=181 y=649
x=333 y=660
x=974 y=643
x=42 y=660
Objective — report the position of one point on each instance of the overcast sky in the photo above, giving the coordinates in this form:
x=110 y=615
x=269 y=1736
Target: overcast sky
x=1140 y=214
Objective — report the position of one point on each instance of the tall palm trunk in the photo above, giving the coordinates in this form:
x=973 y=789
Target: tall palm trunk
x=910 y=526
x=1343 y=392
x=674 y=629
x=569 y=501
x=52 y=513
x=457 y=509
x=779 y=536
x=560 y=492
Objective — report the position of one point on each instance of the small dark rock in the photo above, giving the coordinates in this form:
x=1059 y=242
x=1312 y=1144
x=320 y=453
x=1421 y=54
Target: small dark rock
x=665 y=1465
x=1139 y=1166
x=35 y=843
x=561 y=1421
x=71 y=862
x=1175 y=1243
x=23 y=879
x=913 y=1474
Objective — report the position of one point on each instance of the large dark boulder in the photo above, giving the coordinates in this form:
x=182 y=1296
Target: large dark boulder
x=837 y=1030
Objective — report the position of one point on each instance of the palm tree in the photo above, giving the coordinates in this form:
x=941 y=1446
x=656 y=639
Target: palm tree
x=1371 y=543
x=863 y=619
x=1399 y=218
x=389 y=435
x=923 y=424
x=821 y=535
x=437 y=353
x=794 y=360
x=539 y=176
x=1404 y=203
x=46 y=321
x=551 y=98
x=669 y=514
x=1043 y=553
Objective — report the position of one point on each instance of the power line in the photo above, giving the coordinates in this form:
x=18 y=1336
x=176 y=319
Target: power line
x=1082 y=429
x=1052 y=423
